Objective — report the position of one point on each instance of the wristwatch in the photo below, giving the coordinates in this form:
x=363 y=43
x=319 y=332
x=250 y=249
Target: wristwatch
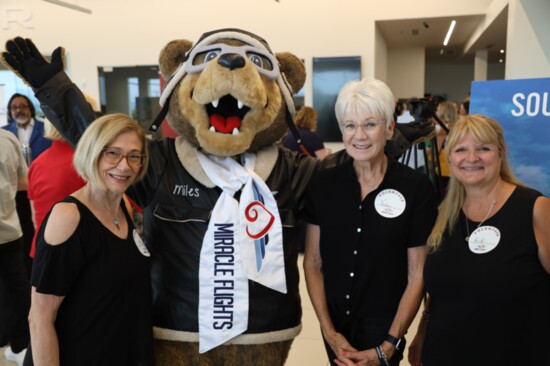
x=395 y=341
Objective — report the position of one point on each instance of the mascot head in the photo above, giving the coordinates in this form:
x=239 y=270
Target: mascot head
x=229 y=93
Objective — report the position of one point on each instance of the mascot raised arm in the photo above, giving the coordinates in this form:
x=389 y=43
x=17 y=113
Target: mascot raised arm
x=220 y=203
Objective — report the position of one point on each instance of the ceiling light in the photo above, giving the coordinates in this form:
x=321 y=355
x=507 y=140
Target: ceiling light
x=501 y=60
x=501 y=51
x=449 y=32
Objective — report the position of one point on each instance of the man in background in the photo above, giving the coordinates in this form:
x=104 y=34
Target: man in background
x=23 y=124
x=13 y=178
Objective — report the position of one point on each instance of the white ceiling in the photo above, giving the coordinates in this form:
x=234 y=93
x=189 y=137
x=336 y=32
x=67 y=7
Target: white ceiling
x=430 y=33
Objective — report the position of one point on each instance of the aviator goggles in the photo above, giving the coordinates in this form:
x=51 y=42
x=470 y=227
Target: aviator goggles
x=265 y=62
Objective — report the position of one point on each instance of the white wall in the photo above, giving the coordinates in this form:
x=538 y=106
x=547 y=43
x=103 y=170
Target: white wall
x=406 y=69
x=132 y=32
x=528 y=41
x=381 y=57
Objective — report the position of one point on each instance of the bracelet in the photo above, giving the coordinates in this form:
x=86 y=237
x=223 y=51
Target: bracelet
x=426 y=315
x=395 y=341
x=382 y=358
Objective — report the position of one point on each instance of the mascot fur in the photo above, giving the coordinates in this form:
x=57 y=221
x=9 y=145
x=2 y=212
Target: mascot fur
x=228 y=95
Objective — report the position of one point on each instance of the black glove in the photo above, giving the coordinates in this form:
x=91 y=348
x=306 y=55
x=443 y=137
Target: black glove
x=23 y=58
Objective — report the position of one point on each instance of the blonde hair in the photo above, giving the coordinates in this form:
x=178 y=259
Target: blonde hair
x=447 y=113
x=91 y=101
x=99 y=135
x=485 y=130
x=306 y=118
x=51 y=133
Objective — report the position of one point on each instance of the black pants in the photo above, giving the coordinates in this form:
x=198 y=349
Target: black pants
x=17 y=287
x=24 y=213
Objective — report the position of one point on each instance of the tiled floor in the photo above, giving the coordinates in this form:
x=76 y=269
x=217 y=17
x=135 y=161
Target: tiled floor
x=307 y=349
x=3 y=361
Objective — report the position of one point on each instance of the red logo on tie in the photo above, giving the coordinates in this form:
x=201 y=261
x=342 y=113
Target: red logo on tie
x=252 y=214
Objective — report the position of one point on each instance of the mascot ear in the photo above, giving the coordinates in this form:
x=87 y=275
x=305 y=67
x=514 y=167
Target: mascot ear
x=172 y=55
x=294 y=70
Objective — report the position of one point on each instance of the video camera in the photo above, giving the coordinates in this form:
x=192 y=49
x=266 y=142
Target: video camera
x=422 y=109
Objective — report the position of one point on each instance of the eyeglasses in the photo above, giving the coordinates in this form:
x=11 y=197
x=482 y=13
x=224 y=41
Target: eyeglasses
x=349 y=128
x=22 y=107
x=114 y=156
x=265 y=63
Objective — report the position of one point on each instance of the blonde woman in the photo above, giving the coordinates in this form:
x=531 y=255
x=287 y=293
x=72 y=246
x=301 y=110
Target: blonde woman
x=446 y=111
x=488 y=269
x=91 y=300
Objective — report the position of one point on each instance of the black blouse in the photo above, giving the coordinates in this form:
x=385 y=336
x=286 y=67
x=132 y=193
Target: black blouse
x=364 y=243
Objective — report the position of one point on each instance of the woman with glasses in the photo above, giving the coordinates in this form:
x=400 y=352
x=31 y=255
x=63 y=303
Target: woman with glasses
x=369 y=218
x=91 y=300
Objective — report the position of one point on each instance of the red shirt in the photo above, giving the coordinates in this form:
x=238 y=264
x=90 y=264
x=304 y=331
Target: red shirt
x=52 y=177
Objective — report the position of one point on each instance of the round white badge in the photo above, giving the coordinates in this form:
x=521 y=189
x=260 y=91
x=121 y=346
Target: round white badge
x=484 y=239
x=390 y=203
x=140 y=245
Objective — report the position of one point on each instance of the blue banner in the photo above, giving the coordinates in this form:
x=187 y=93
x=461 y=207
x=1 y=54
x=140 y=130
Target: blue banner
x=522 y=107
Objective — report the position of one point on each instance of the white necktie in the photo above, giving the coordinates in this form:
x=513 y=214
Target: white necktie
x=243 y=241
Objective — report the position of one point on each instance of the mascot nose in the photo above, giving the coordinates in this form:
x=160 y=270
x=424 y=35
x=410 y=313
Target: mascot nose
x=231 y=61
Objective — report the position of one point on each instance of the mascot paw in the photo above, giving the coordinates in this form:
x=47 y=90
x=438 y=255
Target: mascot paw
x=23 y=58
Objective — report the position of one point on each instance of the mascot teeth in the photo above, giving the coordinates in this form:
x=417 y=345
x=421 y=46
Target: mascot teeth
x=235 y=131
x=212 y=129
x=216 y=102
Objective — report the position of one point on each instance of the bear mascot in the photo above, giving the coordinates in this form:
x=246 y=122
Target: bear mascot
x=220 y=203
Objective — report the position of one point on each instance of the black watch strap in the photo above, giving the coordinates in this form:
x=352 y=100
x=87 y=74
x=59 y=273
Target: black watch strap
x=395 y=341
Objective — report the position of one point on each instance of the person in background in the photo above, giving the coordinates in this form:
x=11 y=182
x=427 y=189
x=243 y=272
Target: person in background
x=306 y=121
x=30 y=132
x=464 y=108
x=52 y=177
x=368 y=221
x=22 y=122
x=487 y=274
x=403 y=112
x=13 y=177
x=456 y=103
x=446 y=111
x=415 y=157
x=90 y=261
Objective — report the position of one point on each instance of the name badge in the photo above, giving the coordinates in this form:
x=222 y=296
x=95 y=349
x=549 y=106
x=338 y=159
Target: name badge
x=390 y=203
x=140 y=245
x=484 y=239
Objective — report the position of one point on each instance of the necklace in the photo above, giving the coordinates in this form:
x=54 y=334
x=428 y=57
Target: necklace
x=482 y=221
x=375 y=183
x=115 y=220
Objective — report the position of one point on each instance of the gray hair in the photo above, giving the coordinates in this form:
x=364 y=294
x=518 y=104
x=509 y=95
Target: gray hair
x=369 y=96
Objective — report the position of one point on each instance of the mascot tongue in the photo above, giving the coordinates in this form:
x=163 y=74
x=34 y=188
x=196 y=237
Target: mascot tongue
x=225 y=125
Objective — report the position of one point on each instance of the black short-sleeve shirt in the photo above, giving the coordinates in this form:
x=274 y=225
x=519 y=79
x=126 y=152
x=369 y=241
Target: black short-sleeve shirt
x=105 y=317
x=364 y=243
